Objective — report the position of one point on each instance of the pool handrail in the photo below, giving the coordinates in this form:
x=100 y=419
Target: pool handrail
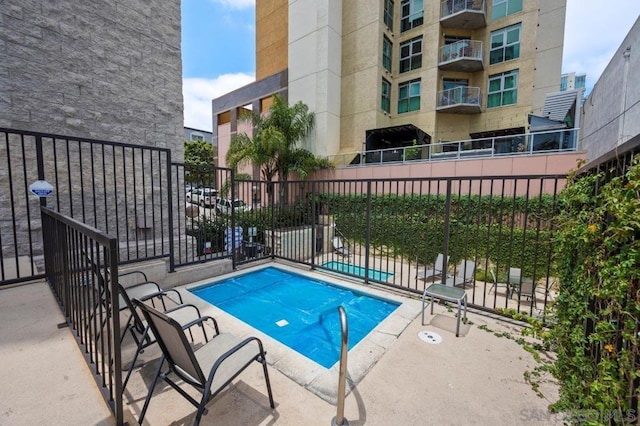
x=339 y=419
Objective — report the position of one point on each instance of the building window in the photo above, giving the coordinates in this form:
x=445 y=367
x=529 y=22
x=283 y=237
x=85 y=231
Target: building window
x=503 y=89
x=411 y=54
x=409 y=96
x=505 y=44
x=388 y=14
x=412 y=14
x=386 y=53
x=197 y=137
x=563 y=83
x=502 y=8
x=385 y=101
x=581 y=81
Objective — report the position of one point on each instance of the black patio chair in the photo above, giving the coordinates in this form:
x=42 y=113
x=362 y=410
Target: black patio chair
x=186 y=314
x=209 y=368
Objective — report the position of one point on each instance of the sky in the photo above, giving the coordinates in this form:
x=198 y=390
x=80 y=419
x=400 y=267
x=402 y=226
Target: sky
x=218 y=46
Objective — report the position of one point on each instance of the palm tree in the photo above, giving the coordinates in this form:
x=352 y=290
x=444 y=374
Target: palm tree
x=273 y=145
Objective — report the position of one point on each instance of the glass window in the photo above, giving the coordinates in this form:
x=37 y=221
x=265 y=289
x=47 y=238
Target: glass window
x=386 y=53
x=563 y=83
x=388 y=13
x=385 y=101
x=502 y=8
x=411 y=54
x=503 y=89
x=412 y=14
x=409 y=96
x=197 y=137
x=581 y=81
x=505 y=44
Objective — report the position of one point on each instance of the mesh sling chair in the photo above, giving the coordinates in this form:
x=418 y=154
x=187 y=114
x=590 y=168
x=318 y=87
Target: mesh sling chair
x=209 y=369
x=187 y=315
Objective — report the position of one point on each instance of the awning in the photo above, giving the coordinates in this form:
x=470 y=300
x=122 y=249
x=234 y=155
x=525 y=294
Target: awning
x=558 y=104
x=395 y=137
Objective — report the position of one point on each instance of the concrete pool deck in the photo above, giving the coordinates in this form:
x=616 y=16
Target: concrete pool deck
x=308 y=374
x=477 y=378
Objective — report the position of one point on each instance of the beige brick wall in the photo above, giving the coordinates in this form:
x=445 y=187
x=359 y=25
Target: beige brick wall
x=272 y=22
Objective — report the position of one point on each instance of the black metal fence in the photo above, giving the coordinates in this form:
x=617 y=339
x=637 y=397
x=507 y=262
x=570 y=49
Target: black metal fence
x=390 y=232
x=121 y=189
x=82 y=270
x=391 y=228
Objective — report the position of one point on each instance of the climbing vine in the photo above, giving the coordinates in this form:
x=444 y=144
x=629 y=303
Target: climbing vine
x=595 y=332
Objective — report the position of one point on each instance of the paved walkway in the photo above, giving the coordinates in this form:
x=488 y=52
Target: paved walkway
x=474 y=379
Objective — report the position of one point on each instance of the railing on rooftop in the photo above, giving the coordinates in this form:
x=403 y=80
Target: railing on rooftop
x=499 y=146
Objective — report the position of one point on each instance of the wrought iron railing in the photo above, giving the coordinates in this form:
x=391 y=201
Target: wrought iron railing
x=82 y=271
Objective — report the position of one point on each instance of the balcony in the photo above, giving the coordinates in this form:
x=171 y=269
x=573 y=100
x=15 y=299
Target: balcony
x=463 y=56
x=466 y=14
x=460 y=100
x=556 y=141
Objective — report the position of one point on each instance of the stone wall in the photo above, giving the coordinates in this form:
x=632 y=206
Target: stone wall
x=106 y=69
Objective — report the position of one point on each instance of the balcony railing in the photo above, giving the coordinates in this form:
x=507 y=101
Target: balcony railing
x=461 y=99
x=467 y=14
x=523 y=144
x=464 y=55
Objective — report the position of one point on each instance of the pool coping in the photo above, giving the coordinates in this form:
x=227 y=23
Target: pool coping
x=307 y=373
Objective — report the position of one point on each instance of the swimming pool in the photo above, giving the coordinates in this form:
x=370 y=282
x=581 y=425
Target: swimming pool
x=298 y=311
x=374 y=274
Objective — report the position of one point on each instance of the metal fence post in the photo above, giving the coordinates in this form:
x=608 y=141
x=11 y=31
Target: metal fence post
x=172 y=255
x=367 y=234
x=447 y=219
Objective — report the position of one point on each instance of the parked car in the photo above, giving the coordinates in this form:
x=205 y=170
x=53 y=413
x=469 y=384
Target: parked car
x=223 y=206
x=202 y=196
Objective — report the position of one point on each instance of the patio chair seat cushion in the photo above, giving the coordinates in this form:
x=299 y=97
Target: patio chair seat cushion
x=208 y=354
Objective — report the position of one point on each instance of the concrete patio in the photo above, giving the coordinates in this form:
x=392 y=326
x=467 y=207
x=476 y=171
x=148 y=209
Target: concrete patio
x=474 y=379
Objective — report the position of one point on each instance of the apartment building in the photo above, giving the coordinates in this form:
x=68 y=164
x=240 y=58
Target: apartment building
x=393 y=73
x=572 y=81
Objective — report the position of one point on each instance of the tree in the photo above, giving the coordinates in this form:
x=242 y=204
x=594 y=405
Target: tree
x=273 y=145
x=199 y=162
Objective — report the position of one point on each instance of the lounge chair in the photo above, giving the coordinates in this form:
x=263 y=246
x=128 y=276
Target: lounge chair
x=187 y=315
x=209 y=369
x=515 y=278
x=339 y=246
x=432 y=274
x=465 y=274
x=523 y=287
x=496 y=284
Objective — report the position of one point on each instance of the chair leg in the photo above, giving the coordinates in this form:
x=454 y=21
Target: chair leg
x=153 y=385
x=266 y=378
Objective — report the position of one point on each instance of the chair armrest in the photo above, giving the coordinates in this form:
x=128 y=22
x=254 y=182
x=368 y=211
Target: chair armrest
x=233 y=350
x=135 y=272
x=136 y=285
x=200 y=321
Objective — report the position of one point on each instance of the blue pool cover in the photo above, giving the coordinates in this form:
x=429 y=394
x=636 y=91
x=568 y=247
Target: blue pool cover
x=298 y=311
x=348 y=268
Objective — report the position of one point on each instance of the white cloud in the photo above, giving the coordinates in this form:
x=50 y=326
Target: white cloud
x=236 y=4
x=198 y=93
x=594 y=30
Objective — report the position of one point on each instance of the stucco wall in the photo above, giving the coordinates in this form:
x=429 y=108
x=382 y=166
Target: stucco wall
x=99 y=69
x=611 y=113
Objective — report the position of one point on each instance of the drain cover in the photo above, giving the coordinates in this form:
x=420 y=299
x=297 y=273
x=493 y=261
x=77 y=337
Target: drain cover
x=282 y=323
x=430 y=337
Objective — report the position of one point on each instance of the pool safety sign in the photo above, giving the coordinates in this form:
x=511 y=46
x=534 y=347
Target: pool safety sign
x=41 y=188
